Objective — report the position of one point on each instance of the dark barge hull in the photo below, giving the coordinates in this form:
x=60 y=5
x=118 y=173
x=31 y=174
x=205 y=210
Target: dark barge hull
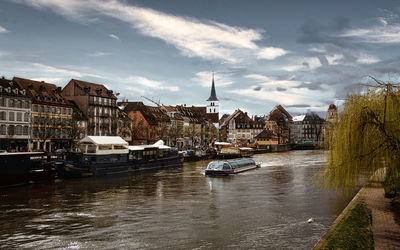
x=68 y=169
x=24 y=168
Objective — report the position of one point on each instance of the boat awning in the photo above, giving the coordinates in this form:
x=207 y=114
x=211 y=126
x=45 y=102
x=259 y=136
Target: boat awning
x=104 y=140
x=222 y=143
x=245 y=148
x=159 y=144
x=136 y=148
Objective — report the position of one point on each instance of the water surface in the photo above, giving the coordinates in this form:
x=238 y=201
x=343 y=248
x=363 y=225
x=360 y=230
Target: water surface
x=177 y=208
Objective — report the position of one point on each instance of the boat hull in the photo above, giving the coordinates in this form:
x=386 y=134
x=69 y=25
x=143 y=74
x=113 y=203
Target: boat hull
x=69 y=169
x=24 y=168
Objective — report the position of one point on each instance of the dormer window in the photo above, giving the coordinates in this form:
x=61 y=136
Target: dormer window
x=37 y=97
x=8 y=90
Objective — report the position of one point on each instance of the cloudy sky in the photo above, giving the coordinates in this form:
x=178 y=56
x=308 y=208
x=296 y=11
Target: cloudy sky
x=303 y=55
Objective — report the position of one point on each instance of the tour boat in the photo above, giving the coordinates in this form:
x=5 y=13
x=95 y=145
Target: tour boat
x=25 y=167
x=102 y=155
x=230 y=167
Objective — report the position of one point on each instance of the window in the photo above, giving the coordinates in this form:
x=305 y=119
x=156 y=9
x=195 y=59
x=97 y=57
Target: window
x=35 y=108
x=26 y=130
x=19 y=117
x=26 y=117
x=11 y=129
x=105 y=147
x=40 y=108
x=3 y=102
x=10 y=103
x=18 y=130
x=214 y=110
x=3 y=115
x=18 y=103
x=11 y=116
x=3 y=129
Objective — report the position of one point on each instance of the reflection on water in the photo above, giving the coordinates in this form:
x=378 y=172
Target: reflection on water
x=176 y=208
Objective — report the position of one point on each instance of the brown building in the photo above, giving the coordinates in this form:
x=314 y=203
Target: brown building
x=98 y=104
x=51 y=115
x=279 y=122
x=266 y=139
x=149 y=123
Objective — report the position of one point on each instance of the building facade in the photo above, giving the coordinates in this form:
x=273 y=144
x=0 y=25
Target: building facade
x=279 y=121
x=51 y=116
x=15 y=117
x=98 y=104
x=148 y=123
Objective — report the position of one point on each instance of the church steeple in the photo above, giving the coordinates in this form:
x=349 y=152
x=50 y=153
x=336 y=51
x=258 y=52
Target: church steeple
x=213 y=96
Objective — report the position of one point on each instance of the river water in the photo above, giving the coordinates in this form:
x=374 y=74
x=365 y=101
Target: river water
x=177 y=208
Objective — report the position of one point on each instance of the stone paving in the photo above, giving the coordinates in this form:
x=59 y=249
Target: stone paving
x=386 y=231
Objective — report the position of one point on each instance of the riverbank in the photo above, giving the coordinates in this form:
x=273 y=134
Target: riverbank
x=369 y=202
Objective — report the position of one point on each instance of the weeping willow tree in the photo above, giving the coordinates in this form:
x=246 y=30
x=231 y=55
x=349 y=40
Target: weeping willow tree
x=365 y=137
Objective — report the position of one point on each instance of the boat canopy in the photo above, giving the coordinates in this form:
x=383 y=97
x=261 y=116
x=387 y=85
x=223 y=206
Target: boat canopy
x=105 y=140
x=241 y=163
x=103 y=145
x=245 y=149
x=159 y=144
x=222 y=143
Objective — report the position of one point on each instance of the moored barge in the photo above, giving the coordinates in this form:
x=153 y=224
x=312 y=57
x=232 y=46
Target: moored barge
x=230 y=167
x=25 y=167
x=104 y=155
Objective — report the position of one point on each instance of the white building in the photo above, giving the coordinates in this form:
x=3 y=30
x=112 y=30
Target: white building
x=15 y=116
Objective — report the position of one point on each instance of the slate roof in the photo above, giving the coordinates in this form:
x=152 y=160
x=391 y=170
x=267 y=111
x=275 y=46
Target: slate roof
x=279 y=108
x=42 y=92
x=265 y=134
x=94 y=89
x=213 y=96
x=9 y=88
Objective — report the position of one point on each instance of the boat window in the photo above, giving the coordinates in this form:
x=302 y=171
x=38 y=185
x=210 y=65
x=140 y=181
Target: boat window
x=105 y=147
x=120 y=147
x=91 y=148
x=226 y=166
x=215 y=165
x=82 y=148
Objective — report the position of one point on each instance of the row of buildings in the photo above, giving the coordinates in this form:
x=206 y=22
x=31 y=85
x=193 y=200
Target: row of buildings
x=36 y=116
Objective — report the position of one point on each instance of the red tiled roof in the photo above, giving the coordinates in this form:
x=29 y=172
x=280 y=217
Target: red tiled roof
x=152 y=114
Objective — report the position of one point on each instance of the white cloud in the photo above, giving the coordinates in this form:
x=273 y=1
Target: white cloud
x=60 y=71
x=271 y=53
x=258 y=77
x=192 y=37
x=151 y=83
x=114 y=36
x=48 y=79
x=304 y=64
x=99 y=54
x=204 y=78
x=334 y=59
x=366 y=59
x=3 y=30
x=384 y=33
x=291 y=94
